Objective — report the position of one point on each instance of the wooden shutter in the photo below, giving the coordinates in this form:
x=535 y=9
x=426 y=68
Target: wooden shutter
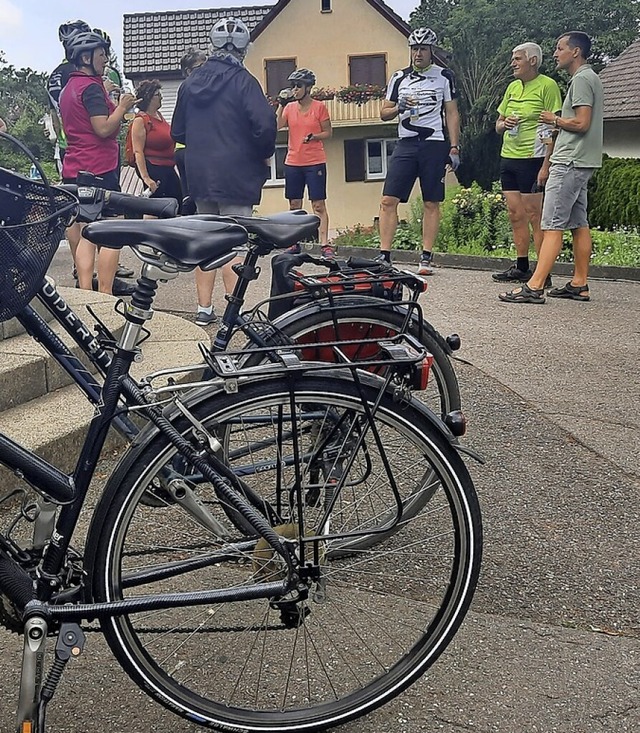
x=277 y=73
x=354 y=160
x=370 y=69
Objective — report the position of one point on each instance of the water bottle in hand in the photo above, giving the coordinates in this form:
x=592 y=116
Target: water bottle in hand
x=514 y=130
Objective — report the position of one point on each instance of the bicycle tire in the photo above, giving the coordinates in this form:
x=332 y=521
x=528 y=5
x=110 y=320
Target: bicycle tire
x=367 y=320
x=229 y=666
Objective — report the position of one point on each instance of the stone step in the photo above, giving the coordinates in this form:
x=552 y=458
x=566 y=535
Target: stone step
x=27 y=370
x=54 y=423
x=11 y=328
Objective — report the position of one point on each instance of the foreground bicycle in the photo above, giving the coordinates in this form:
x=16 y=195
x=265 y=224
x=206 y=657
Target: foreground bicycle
x=339 y=542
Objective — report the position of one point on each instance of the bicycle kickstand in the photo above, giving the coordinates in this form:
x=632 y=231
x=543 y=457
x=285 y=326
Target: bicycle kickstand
x=70 y=643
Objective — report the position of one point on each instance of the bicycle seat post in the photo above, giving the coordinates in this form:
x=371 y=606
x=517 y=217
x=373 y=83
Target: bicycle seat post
x=246 y=272
x=140 y=308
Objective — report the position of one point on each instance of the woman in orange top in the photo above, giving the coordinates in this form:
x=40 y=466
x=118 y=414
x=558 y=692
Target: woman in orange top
x=306 y=162
x=153 y=146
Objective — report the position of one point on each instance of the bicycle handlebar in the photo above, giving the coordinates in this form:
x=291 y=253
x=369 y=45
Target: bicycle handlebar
x=93 y=199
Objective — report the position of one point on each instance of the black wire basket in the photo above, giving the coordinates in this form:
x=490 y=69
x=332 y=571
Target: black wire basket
x=33 y=217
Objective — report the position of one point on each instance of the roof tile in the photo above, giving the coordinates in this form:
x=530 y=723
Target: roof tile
x=621 y=83
x=155 y=42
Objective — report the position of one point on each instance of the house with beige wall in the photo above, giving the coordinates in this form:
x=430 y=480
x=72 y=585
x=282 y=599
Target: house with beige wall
x=344 y=42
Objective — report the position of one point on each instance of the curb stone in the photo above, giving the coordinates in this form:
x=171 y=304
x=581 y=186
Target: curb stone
x=475 y=262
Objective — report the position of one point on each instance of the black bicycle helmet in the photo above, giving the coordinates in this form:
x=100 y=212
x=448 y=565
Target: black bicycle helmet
x=303 y=75
x=66 y=30
x=80 y=42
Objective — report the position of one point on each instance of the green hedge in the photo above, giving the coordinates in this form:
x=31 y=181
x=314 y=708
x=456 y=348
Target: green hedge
x=614 y=194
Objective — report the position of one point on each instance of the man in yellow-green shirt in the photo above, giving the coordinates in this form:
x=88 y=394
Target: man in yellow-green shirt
x=524 y=158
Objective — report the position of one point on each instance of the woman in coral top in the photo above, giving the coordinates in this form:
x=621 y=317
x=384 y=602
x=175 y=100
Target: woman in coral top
x=153 y=146
x=306 y=162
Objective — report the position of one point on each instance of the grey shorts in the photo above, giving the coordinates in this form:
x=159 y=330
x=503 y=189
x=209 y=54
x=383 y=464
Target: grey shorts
x=223 y=209
x=565 y=198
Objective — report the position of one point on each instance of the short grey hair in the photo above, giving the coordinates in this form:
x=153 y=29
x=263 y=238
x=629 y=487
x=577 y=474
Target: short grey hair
x=530 y=49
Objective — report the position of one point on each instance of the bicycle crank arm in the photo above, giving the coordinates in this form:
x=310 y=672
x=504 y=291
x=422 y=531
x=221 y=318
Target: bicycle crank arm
x=33 y=652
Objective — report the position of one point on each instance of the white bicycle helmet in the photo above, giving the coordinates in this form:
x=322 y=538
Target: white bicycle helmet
x=66 y=30
x=230 y=34
x=422 y=37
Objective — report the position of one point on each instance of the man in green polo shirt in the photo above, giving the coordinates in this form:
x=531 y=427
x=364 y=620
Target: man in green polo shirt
x=524 y=158
x=577 y=153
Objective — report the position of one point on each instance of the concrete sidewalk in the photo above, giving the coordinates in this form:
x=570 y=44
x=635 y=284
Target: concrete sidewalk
x=553 y=639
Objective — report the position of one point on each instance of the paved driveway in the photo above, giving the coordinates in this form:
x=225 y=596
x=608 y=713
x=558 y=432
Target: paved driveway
x=553 y=639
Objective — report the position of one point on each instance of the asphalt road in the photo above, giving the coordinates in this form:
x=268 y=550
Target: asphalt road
x=552 y=643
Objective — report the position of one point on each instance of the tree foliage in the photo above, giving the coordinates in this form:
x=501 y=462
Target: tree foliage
x=481 y=34
x=23 y=103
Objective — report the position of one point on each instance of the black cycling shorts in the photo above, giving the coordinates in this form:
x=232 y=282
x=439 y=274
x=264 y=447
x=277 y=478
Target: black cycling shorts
x=412 y=159
x=314 y=177
x=109 y=181
x=519 y=174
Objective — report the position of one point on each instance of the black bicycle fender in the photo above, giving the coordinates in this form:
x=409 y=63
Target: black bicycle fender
x=326 y=304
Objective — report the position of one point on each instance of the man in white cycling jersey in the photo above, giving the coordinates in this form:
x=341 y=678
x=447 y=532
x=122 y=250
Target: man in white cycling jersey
x=423 y=97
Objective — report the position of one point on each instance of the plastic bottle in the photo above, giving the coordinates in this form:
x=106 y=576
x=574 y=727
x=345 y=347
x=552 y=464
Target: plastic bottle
x=414 y=113
x=514 y=130
x=286 y=94
x=131 y=112
x=34 y=173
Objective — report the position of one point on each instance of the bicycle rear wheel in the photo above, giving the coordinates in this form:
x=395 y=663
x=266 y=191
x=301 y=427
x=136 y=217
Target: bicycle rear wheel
x=373 y=321
x=386 y=604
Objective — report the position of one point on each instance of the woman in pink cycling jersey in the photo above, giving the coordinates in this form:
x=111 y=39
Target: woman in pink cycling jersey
x=92 y=122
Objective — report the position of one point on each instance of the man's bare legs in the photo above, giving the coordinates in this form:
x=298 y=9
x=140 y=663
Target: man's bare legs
x=533 y=207
x=551 y=246
x=204 y=287
x=205 y=282
x=582 y=246
x=524 y=210
x=430 y=224
x=388 y=222
x=549 y=251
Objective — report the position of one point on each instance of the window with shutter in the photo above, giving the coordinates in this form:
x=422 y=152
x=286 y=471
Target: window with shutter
x=276 y=165
x=371 y=69
x=277 y=73
x=354 y=160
